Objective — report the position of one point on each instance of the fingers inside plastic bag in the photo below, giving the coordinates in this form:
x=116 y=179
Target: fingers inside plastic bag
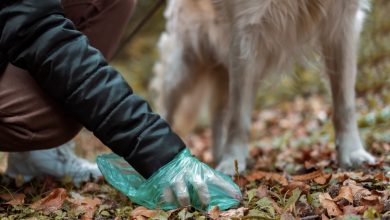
x=202 y=190
x=183 y=181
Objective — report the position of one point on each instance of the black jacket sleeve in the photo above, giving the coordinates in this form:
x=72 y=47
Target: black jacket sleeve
x=3 y=62
x=36 y=36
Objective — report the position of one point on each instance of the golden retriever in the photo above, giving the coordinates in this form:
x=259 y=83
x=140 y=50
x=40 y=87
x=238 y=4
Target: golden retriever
x=230 y=46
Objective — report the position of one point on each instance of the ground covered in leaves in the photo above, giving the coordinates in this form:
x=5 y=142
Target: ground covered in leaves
x=293 y=168
x=293 y=175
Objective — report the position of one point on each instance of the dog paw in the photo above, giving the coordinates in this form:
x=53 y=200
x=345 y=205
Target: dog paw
x=355 y=158
x=227 y=166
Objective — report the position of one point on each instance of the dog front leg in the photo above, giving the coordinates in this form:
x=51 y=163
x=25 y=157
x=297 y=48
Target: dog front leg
x=245 y=69
x=340 y=52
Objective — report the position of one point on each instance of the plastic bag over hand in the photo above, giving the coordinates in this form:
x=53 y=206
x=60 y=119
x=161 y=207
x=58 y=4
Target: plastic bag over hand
x=182 y=182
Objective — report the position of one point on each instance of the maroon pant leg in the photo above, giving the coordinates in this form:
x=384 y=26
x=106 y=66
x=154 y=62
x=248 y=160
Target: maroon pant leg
x=29 y=118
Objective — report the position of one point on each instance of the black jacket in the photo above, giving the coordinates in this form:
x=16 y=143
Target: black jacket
x=36 y=36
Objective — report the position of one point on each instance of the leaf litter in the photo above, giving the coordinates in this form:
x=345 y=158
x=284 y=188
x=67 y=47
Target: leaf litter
x=293 y=172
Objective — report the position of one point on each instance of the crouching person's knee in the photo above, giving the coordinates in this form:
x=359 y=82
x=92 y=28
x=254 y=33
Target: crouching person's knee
x=19 y=136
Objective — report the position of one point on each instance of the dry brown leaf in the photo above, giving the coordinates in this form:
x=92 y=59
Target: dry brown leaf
x=256 y=152
x=13 y=199
x=32 y=218
x=355 y=188
x=323 y=179
x=262 y=191
x=90 y=187
x=276 y=206
x=87 y=205
x=287 y=216
x=343 y=176
x=331 y=207
x=52 y=202
x=307 y=176
x=381 y=177
x=345 y=193
x=297 y=184
x=323 y=217
x=233 y=212
x=351 y=210
x=379 y=163
x=144 y=212
x=90 y=207
x=370 y=200
x=308 y=164
x=241 y=181
x=257 y=175
x=214 y=212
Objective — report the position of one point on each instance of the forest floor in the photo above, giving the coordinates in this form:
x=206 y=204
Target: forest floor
x=293 y=172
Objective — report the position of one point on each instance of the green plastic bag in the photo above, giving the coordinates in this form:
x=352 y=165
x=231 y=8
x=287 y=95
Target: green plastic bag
x=184 y=175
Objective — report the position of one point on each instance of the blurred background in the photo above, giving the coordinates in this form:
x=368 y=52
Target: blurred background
x=299 y=101
x=135 y=59
x=292 y=111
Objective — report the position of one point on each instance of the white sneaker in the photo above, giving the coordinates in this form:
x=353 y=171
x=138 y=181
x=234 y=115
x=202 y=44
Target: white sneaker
x=57 y=162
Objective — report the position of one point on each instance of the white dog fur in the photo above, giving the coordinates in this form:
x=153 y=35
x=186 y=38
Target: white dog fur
x=229 y=46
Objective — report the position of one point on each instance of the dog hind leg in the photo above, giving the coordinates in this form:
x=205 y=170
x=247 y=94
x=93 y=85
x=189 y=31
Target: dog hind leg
x=177 y=77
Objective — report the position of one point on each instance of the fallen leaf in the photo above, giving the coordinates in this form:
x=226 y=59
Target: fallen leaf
x=234 y=212
x=371 y=213
x=287 y=216
x=293 y=199
x=378 y=163
x=307 y=176
x=386 y=206
x=52 y=202
x=214 y=212
x=251 y=194
x=241 y=181
x=90 y=206
x=297 y=184
x=345 y=193
x=351 y=210
x=144 y=212
x=343 y=176
x=323 y=179
x=276 y=206
x=323 y=217
x=370 y=200
x=331 y=207
x=90 y=187
x=86 y=205
x=261 y=191
x=334 y=190
x=13 y=199
x=355 y=188
x=257 y=175
x=309 y=164
x=185 y=214
x=381 y=177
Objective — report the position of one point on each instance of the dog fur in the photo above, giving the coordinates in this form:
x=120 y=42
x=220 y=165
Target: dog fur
x=229 y=46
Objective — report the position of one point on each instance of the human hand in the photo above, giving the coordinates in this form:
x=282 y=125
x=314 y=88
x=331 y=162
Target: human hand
x=185 y=181
x=189 y=182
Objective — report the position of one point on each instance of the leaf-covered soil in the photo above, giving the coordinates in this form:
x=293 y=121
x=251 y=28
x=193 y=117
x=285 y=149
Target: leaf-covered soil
x=293 y=169
x=293 y=174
